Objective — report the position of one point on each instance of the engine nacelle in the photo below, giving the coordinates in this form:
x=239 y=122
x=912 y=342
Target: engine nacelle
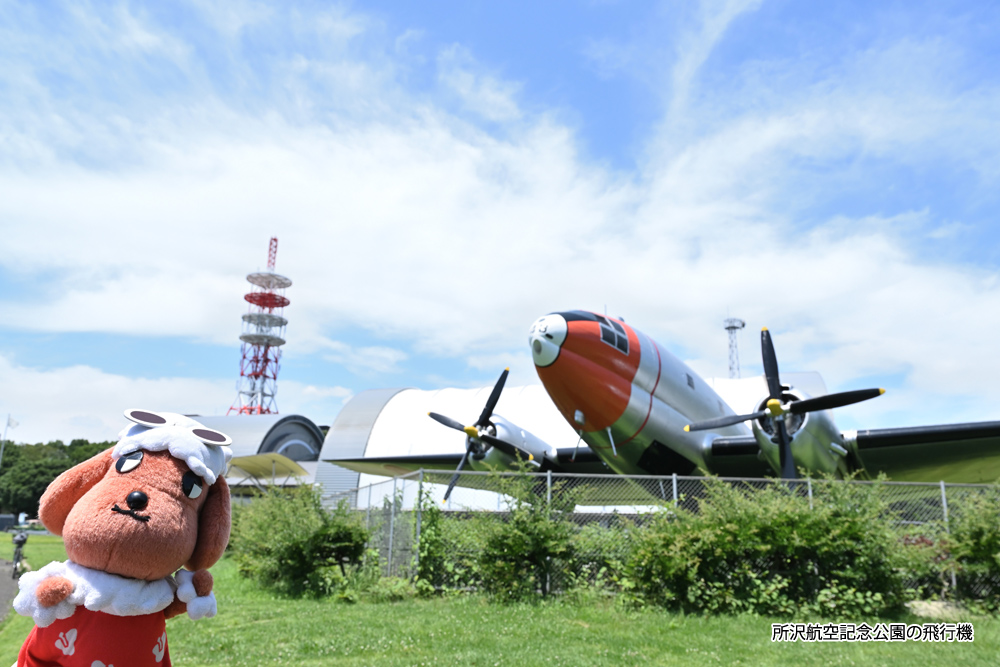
x=494 y=459
x=816 y=444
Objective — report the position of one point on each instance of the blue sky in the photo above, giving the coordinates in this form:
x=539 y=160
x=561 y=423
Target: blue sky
x=440 y=174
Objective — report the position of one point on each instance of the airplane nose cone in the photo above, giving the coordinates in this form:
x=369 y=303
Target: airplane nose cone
x=546 y=337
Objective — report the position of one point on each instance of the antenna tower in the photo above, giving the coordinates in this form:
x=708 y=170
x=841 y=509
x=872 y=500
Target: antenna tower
x=263 y=331
x=732 y=326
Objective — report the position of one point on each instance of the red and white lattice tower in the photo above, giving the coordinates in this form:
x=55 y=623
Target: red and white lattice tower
x=263 y=336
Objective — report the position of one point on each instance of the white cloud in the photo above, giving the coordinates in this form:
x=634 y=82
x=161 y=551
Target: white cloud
x=399 y=218
x=85 y=402
x=364 y=361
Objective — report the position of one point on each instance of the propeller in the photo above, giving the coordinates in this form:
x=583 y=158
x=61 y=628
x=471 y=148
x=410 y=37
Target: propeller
x=777 y=410
x=478 y=433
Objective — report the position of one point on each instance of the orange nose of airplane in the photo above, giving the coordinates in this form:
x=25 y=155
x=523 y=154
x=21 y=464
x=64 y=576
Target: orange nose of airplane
x=587 y=363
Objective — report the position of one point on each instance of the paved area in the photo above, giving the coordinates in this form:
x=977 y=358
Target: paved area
x=8 y=589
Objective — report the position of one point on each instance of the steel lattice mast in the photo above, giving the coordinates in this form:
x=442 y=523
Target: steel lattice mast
x=263 y=336
x=732 y=326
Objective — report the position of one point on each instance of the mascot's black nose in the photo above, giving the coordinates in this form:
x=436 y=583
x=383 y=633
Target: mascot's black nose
x=137 y=500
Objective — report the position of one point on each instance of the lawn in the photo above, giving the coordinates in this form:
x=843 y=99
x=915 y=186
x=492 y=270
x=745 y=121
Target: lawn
x=255 y=628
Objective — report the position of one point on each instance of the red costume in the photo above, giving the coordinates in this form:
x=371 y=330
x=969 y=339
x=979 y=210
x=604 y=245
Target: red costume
x=107 y=621
x=92 y=638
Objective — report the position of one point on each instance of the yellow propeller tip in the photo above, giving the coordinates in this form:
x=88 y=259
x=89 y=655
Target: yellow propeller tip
x=881 y=391
x=507 y=369
x=687 y=428
x=764 y=329
x=531 y=457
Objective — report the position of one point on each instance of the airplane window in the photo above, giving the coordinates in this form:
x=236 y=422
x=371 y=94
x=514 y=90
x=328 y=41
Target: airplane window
x=576 y=316
x=607 y=335
x=690 y=381
x=617 y=327
x=614 y=339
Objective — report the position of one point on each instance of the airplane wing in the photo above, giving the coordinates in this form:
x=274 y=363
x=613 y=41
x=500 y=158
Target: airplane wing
x=738 y=456
x=585 y=461
x=949 y=452
x=268 y=465
x=968 y=453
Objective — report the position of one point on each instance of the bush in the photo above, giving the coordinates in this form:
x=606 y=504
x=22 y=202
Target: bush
x=448 y=548
x=974 y=544
x=600 y=553
x=530 y=549
x=766 y=551
x=285 y=540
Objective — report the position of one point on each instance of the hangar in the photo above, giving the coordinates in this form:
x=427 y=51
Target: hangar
x=393 y=422
x=269 y=449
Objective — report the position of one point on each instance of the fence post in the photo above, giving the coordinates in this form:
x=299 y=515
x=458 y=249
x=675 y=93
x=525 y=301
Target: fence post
x=944 y=507
x=420 y=505
x=548 y=490
x=392 y=522
x=947 y=527
x=809 y=486
x=675 y=488
x=368 y=512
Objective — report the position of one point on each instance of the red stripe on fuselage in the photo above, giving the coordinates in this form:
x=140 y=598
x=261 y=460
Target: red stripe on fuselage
x=649 y=410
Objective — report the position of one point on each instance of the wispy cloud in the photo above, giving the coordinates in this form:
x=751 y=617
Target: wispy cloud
x=481 y=93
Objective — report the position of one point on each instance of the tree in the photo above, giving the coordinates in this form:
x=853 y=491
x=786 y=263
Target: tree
x=24 y=483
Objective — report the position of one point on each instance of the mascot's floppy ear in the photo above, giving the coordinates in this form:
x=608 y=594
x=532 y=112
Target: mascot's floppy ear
x=213 y=527
x=68 y=488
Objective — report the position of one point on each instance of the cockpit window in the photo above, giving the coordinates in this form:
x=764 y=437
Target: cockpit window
x=577 y=316
x=616 y=336
x=612 y=333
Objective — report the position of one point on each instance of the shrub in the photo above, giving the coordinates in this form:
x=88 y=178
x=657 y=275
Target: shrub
x=766 y=551
x=285 y=540
x=529 y=549
x=448 y=548
x=925 y=561
x=974 y=544
x=600 y=552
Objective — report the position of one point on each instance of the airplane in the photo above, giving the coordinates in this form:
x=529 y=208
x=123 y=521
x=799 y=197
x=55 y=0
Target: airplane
x=638 y=410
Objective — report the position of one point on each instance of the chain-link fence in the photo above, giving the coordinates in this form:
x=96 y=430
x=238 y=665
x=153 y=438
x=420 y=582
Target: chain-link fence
x=605 y=508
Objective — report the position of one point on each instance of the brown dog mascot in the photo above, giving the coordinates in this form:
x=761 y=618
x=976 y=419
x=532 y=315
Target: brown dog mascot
x=130 y=518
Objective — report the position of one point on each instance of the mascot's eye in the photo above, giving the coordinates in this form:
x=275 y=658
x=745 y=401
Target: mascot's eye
x=129 y=462
x=191 y=485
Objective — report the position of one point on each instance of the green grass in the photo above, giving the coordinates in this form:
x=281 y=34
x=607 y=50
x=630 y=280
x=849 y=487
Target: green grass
x=256 y=628
x=39 y=550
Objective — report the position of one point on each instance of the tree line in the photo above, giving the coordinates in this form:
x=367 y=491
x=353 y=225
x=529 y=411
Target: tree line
x=26 y=470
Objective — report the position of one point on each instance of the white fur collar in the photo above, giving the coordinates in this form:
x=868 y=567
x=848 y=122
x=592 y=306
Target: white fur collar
x=108 y=593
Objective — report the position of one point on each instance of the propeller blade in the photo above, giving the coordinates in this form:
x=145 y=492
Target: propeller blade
x=770 y=364
x=454 y=478
x=447 y=421
x=484 y=418
x=831 y=401
x=720 y=422
x=788 y=470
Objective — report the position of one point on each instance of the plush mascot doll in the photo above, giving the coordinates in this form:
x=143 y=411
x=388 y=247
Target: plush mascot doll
x=130 y=518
